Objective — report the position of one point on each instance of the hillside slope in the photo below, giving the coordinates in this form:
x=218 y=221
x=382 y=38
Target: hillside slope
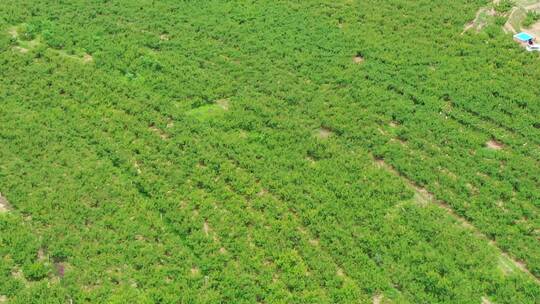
x=266 y=152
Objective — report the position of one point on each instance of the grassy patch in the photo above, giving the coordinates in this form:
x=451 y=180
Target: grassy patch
x=207 y=112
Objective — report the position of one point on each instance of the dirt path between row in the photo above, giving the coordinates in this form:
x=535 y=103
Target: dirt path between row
x=533 y=6
x=422 y=196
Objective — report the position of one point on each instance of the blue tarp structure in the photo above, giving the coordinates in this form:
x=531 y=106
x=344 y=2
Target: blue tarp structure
x=524 y=37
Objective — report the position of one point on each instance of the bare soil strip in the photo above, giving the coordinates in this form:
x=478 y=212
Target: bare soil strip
x=423 y=196
x=377 y=299
x=4 y=204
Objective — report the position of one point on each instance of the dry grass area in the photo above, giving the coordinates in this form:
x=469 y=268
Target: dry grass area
x=21 y=49
x=84 y=58
x=159 y=132
x=263 y=192
x=324 y=133
x=223 y=103
x=518 y=14
x=24 y=46
x=494 y=145
x=422 y=196
x=534 y=29
x=206 y=228
x=4 y=204
x=506 y=266
x=358 y=59
x=377 y=299
x=485 y=300
x=137 y=167
x=311 y=160
x=18 y=274
x=41 y=254
x=13 y=32
x=87 y=58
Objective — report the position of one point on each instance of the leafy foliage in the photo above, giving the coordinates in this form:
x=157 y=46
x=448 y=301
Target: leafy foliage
x=504 y=6
x=137 y=183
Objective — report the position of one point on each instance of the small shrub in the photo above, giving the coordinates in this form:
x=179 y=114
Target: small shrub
x=35 y=271
x=28 y=32
x=500 y=21
x=504 y=6
x=53 y=39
